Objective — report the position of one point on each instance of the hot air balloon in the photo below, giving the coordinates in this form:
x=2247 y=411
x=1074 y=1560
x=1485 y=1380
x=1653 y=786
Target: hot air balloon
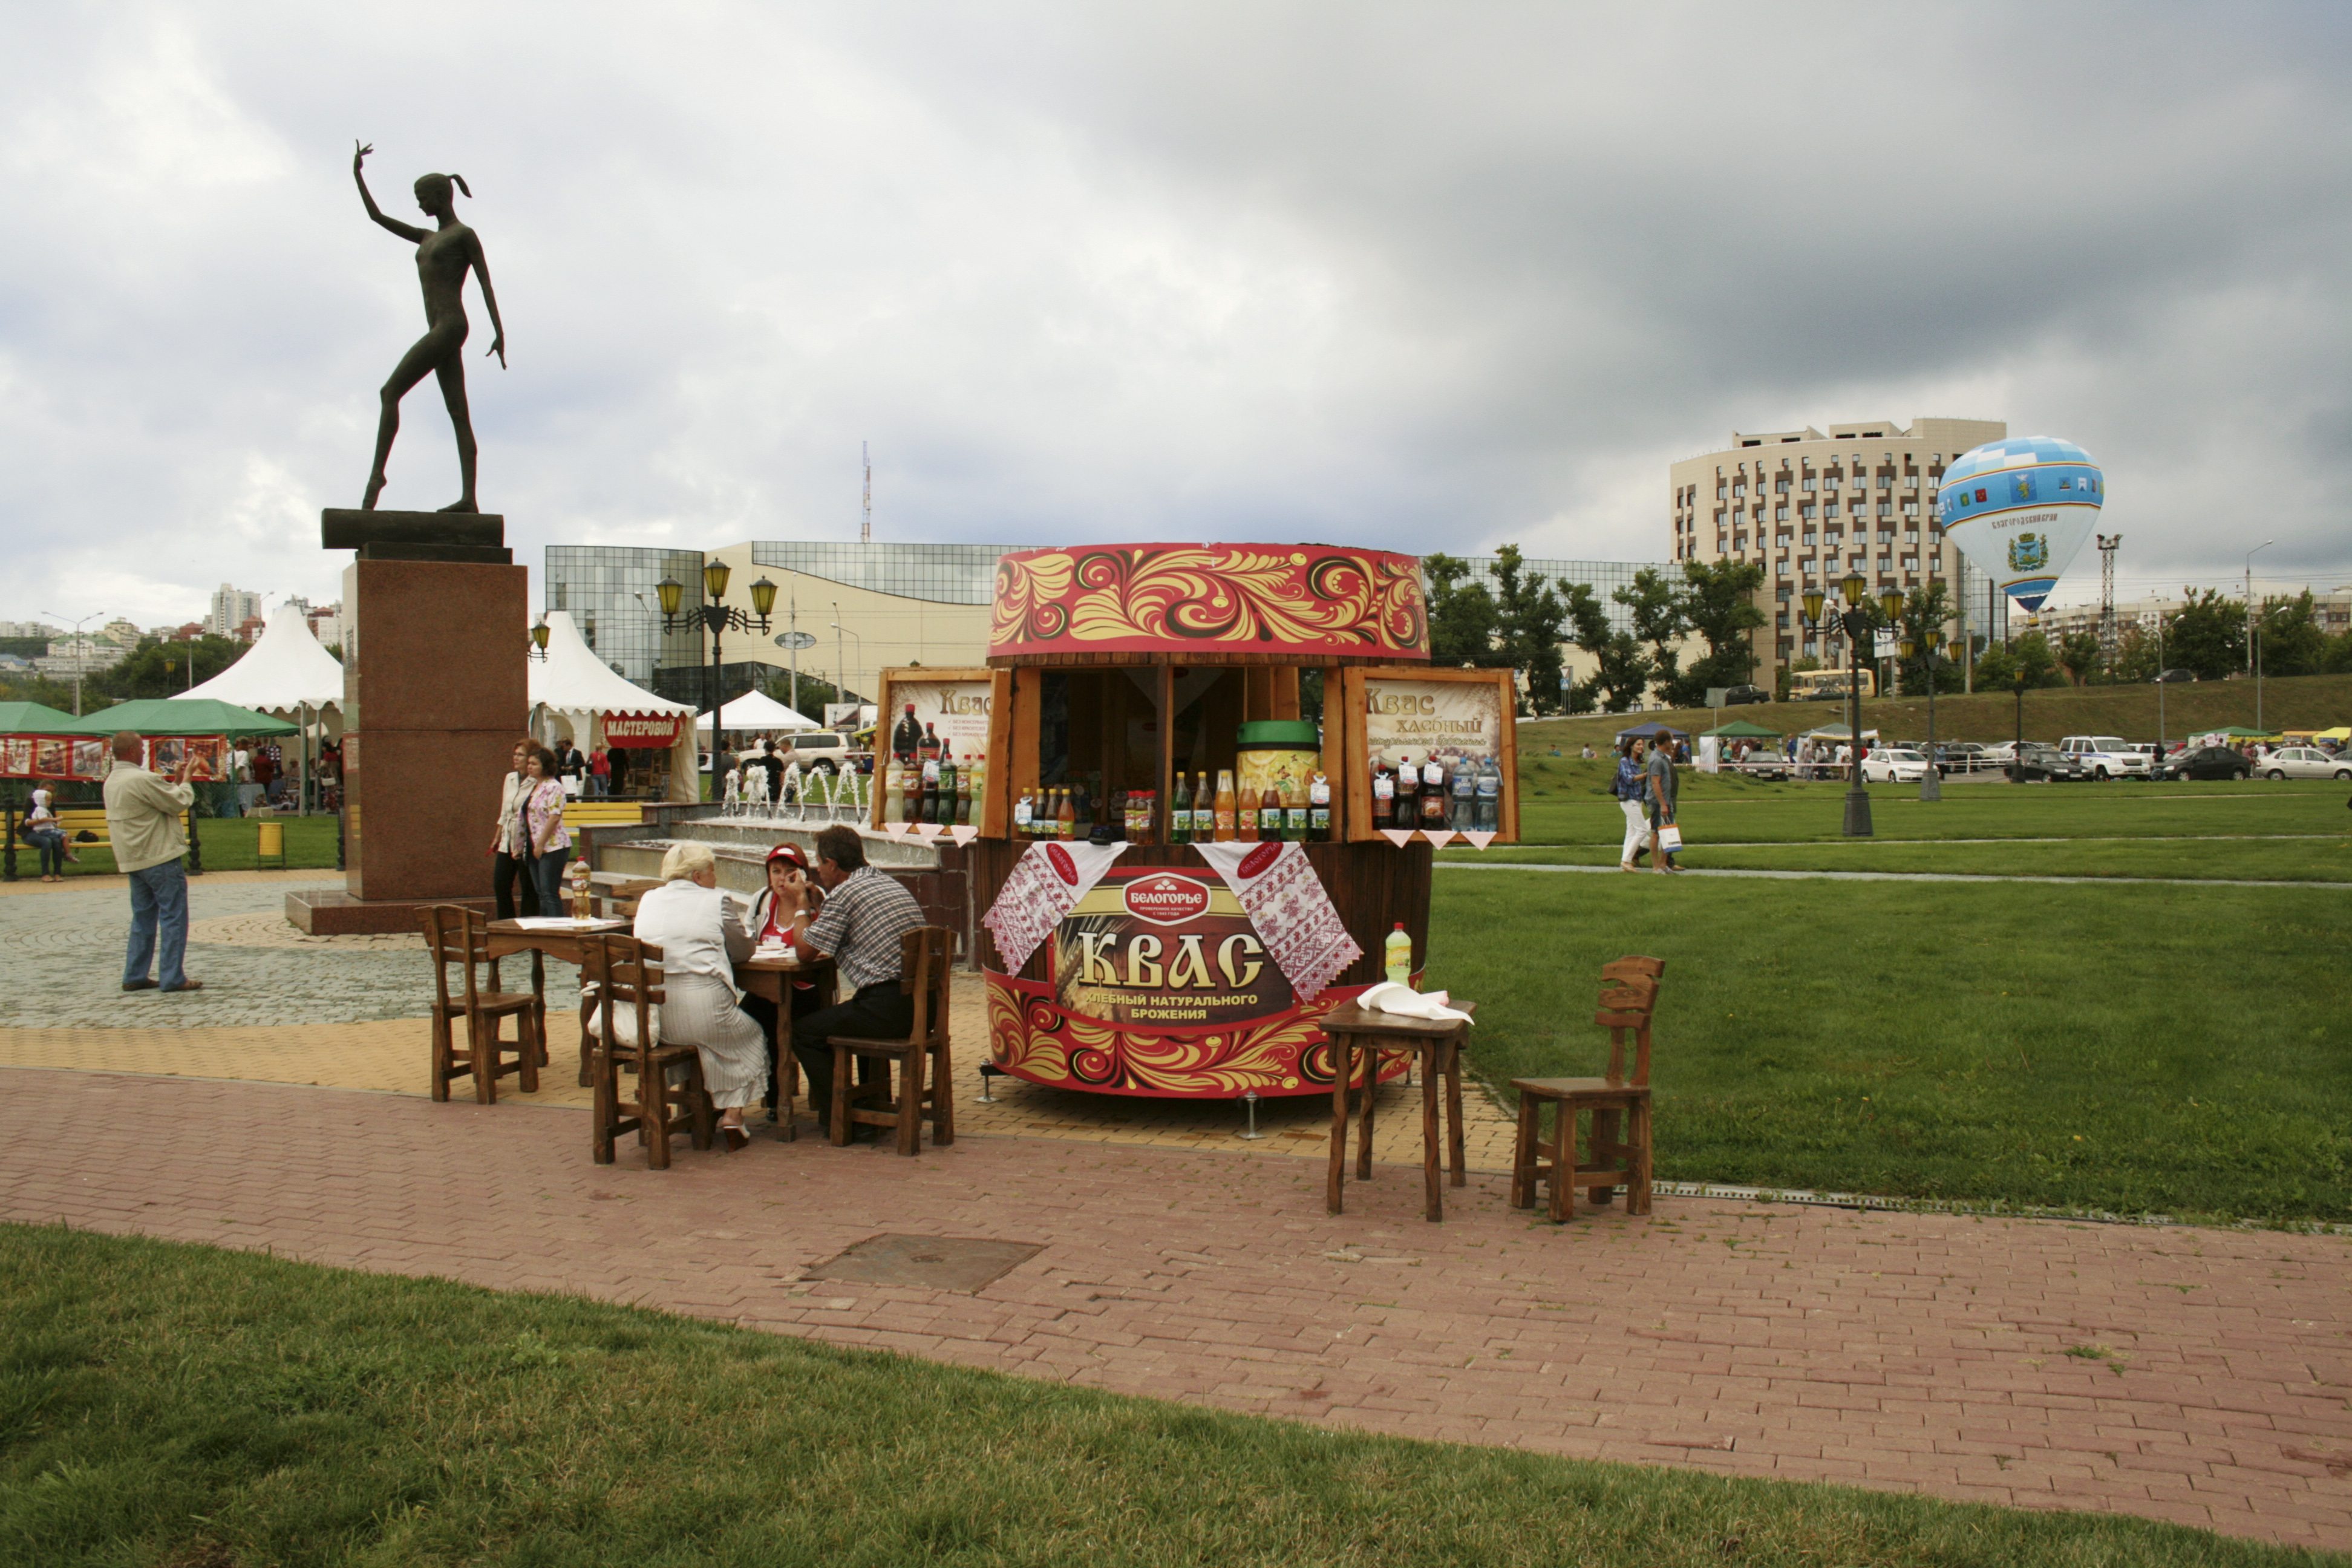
x=2020 y=508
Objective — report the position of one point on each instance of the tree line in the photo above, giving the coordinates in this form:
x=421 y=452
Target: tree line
x=1524 y=619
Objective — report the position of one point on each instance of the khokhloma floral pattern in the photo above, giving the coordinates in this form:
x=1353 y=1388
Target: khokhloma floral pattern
x=1297 y=600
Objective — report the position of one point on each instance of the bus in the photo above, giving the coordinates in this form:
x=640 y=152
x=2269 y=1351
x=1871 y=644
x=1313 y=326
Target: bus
x=1830 y=685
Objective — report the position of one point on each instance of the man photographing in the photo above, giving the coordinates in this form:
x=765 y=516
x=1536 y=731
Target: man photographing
x=143 y=818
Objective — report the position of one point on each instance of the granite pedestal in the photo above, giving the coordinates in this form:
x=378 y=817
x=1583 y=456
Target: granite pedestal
x=434 y=696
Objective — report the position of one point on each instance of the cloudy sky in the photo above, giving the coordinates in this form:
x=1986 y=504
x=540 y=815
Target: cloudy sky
x=1422 y=276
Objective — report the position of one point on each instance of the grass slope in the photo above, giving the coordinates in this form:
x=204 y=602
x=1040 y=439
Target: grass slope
x=2151 y=1049
x=229 y=845
x=171 y=1404
x=2291 y=702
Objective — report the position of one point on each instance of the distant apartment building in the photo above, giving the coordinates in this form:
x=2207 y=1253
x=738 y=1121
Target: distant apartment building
x=29 y=629
x=2331 y=612
x=232 y=607
x=80 y=656
x=1809 y=507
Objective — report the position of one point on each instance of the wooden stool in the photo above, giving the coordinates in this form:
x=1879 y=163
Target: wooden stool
x=626 y=975
x=455 y=934
x=923 y=956
x=1628 y=996
x=1358 y=1036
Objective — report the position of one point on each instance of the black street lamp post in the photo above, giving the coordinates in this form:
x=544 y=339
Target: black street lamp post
x=718 y=618
x=1931 y=662
x=1856 y=622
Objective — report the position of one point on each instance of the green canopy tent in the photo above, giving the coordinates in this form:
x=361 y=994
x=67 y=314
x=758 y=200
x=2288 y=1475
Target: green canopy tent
x=153 y=716
x=1741 y=729
x=34 y=718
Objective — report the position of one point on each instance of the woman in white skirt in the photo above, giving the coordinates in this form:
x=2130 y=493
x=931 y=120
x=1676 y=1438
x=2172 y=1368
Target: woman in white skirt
x=701 y=936
x=1629 y=788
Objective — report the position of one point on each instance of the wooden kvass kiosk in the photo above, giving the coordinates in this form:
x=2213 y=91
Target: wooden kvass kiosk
x=1117 y=676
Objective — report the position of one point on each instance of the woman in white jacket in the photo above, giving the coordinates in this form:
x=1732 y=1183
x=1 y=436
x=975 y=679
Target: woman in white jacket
x=702 y=937
x=511 y=854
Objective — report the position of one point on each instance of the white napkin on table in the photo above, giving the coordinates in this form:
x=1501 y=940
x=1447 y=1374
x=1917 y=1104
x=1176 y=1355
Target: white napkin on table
x=1404 y=1002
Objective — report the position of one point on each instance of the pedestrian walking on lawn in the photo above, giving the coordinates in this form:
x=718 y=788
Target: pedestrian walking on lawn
x=142 y=819
x=1659 y=777
x=1628 y=789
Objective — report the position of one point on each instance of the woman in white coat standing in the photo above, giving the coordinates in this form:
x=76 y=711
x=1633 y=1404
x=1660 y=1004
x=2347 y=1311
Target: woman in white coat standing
x=701 y=936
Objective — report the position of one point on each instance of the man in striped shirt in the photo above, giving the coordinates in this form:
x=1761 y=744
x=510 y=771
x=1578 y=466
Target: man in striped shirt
x=866 y=912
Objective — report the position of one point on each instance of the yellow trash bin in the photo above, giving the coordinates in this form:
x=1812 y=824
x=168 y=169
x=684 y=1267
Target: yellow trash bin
x=272 y=844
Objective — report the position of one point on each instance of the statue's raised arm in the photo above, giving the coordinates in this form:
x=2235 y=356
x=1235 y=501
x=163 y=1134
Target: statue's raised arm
x=445 y=255
x=408 y=232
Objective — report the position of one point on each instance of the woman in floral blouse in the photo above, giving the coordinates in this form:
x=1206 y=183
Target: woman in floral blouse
x=540 y=816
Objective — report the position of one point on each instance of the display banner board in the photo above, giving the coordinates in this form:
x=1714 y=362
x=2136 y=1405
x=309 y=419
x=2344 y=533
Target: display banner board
x=208 y=757
x=1454 y=716
x=642 y=731
x=52 y=757
x=970 y=711
x=1158 y=985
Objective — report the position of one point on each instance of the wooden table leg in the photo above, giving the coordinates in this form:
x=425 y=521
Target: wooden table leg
x=539 y=1002
x=1433 y=1187
x=1336 y=1178
x=1368 y=1056
x=1452 y=1049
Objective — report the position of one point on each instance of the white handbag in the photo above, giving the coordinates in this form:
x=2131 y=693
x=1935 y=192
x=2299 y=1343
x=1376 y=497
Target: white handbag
x=1670 y=837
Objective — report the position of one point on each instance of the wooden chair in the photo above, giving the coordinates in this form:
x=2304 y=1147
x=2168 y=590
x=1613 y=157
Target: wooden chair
x=1628 y=996
x=623 y=975
x=923 y=954
x=455 y=934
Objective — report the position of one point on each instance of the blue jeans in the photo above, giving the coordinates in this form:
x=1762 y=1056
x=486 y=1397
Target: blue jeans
x=159 y=917
x=53 y=850
x=547 y=876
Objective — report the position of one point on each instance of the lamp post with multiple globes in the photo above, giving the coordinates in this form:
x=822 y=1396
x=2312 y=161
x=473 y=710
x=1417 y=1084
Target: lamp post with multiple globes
x=718 y=618
x=1857 y=621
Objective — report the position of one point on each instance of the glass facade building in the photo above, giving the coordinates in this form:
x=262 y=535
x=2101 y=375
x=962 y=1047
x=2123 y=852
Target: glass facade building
x=610 y=592
x=942 y=574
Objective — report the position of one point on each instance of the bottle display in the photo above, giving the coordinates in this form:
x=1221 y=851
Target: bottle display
x=1227 y=827
x=1397 y=954
x=1318 y=810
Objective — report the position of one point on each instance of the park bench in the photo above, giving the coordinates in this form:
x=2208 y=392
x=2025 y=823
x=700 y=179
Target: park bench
x=579 y=814
x=78 y=820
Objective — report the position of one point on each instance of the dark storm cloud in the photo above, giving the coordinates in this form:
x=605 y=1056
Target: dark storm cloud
x=1420 y=277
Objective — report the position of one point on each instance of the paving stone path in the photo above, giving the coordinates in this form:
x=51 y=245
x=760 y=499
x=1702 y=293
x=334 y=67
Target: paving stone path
x=2196 y=1375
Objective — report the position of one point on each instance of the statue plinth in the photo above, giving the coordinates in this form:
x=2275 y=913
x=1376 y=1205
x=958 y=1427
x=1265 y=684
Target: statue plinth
x=436 y=693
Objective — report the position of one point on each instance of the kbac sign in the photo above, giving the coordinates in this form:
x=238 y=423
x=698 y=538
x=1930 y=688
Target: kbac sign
x=1152 y=948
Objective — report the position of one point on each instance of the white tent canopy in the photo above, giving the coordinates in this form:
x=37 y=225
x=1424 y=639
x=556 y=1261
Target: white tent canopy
x=283 y=671
x=572 y=681
x=756 y=710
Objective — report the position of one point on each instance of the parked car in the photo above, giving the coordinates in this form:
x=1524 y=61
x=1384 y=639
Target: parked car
x=828 y=750
x=2106 y=757
x=1766 y=763
x=1960 y=757
x=2160 y=758
x=1736 y=696
x=2173 y=675
x=1894 y=764
x=2305 y=762
x=2212 y=762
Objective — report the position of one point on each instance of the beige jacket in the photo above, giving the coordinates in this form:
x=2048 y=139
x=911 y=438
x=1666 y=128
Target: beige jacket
x=143 y=817
x=510 y=841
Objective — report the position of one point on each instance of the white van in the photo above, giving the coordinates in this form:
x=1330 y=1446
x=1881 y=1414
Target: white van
x=2107 y=757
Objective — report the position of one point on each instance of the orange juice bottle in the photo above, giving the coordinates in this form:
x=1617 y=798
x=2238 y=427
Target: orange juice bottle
x=1068 y=816
x=1225 y=826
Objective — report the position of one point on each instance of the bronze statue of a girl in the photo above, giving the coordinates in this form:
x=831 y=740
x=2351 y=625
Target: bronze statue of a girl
x=444 y=256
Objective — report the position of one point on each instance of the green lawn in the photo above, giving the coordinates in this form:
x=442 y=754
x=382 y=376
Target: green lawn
x=2154 y=1049
x=2287 y=860
x=164 y=1403
x=228 y=843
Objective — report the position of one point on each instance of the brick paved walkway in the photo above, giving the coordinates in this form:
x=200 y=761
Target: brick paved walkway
x=1907 y=1353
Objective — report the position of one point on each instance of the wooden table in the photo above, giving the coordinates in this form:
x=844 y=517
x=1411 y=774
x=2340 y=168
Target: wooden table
x=1358 y=1038
x=773 y=978
x=565 y=941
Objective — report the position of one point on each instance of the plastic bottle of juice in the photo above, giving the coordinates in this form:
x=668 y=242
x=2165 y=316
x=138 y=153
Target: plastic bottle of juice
x=1066 y=817
x=1269 y=814
x=1398 y=954
x=1433 y=794
x=1227 y=827
x=1180 y=812
x=978 y=772
x=1294 y=810
x=1408 y=793
x=1022 y=821
x=1318 y=810
x=894 y=799
x=1383 y=795
x=951 y=792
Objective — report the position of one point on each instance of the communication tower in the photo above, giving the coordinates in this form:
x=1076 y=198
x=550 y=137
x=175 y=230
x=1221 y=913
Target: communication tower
x=2107 y=638
x=866 y=530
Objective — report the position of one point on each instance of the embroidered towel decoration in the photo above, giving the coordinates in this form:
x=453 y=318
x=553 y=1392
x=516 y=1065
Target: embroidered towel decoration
x=1043 y=887
x=1286 y=902
x=1404 y=1002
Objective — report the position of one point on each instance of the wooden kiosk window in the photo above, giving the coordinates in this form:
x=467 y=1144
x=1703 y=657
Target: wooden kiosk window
x=1399 y=709
x=972 y=709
